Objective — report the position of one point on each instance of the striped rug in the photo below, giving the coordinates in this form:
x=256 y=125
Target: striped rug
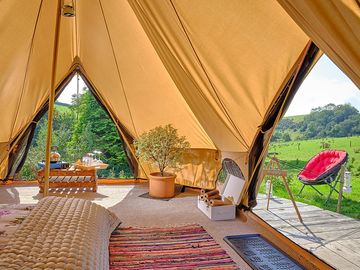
x=184 y=247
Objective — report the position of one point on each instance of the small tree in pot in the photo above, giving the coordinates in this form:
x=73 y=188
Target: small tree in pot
x=163 y=147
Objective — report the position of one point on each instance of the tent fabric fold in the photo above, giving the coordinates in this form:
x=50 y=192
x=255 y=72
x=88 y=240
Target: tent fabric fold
x=257 y=155
x=207 y=60
x=215 y=70
x=334 y=26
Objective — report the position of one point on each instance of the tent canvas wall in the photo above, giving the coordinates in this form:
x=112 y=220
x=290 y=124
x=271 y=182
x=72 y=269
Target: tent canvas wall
x=222 y=72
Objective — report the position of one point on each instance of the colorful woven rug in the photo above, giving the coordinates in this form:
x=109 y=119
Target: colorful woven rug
x=184 y=247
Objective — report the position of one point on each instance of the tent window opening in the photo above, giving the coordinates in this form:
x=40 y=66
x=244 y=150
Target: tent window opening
x=81 y=126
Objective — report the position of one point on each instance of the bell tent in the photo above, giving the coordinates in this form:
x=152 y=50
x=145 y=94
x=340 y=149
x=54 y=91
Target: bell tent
x=221 y=72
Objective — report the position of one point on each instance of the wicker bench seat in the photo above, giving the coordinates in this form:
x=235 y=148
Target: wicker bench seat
x=61 y=233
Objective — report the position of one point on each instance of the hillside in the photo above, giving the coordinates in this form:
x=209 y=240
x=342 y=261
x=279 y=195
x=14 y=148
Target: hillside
x=295 y=118
x=330 y=121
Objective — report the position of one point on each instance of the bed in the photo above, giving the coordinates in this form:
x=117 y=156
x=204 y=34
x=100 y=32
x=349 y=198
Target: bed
x=61 y=233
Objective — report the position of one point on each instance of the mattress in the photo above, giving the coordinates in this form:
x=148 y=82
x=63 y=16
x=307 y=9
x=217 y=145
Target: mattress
x=61 y=233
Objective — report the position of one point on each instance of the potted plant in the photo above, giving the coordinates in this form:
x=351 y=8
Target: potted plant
x=163 y=147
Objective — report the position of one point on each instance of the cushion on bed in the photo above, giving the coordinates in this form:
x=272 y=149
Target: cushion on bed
x=61 y=233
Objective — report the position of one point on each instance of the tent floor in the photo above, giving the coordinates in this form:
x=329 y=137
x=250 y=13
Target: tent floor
x=333 y=237
x=133 y=210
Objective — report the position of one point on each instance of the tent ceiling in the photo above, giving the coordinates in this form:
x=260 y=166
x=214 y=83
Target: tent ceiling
x=131 y=78
x=209 y=68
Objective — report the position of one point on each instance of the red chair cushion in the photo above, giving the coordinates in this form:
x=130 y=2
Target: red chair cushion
x=321 y=163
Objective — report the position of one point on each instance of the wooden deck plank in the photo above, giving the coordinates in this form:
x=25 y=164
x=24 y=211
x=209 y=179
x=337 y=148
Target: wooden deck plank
x=319 y=227
x=308 y=215
x=353 y=244
x=323 y=224
x=326 y=226
x=345 y=252
x=334 y=259
x=333 y=237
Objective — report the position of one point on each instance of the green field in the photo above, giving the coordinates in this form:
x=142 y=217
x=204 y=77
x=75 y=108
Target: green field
x=60 y=107
x=296 y=118
x=295 y=154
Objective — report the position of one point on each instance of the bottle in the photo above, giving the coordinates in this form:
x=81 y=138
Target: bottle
x=268 y=187
x=54 y=155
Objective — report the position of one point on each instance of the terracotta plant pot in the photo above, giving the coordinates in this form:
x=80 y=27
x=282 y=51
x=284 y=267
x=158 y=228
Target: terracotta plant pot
x=162 y=186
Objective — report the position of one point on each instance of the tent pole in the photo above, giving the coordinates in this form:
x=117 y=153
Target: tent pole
x=51 y=101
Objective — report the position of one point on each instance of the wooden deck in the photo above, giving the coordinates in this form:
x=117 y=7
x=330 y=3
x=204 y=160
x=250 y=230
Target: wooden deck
x=332 y=237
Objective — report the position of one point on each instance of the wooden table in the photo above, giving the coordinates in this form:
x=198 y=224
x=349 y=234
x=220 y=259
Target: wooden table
x=67 y=178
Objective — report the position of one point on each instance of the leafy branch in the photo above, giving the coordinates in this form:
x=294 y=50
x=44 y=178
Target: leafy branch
x=162 y=146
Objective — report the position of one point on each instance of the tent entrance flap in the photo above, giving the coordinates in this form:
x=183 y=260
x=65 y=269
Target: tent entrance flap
x=283 y=101
x=22 y=138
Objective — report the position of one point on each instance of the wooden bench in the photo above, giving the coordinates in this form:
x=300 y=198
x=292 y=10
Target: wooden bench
x=65 y=178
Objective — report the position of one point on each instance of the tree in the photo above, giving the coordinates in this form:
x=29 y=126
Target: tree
x=286 y=137
x=62 y=124
x=94 y=130
x=328 y=121
x=275 y=137
x=162 y=146
x=81 y=128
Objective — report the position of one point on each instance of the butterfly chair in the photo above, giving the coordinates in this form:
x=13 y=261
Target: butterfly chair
x=323 y=169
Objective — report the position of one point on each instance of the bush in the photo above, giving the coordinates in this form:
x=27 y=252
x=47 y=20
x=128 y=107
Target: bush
x=162 y=146
x=286 y=137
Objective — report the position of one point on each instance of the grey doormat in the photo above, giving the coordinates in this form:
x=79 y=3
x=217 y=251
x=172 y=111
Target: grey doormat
x=260 y=253
x=178 y=190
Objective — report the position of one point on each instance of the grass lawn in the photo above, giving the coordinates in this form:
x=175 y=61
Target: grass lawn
x=296 y=118
x=61 y=108
x=295 y=154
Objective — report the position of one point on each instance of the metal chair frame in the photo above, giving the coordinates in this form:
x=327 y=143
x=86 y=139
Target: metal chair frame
x=334 y=178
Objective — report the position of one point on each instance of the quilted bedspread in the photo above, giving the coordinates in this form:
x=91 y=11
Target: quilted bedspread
x=61 y=233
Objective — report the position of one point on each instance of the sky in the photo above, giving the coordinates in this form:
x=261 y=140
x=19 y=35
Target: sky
x=325 y=84
x=71 y=89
